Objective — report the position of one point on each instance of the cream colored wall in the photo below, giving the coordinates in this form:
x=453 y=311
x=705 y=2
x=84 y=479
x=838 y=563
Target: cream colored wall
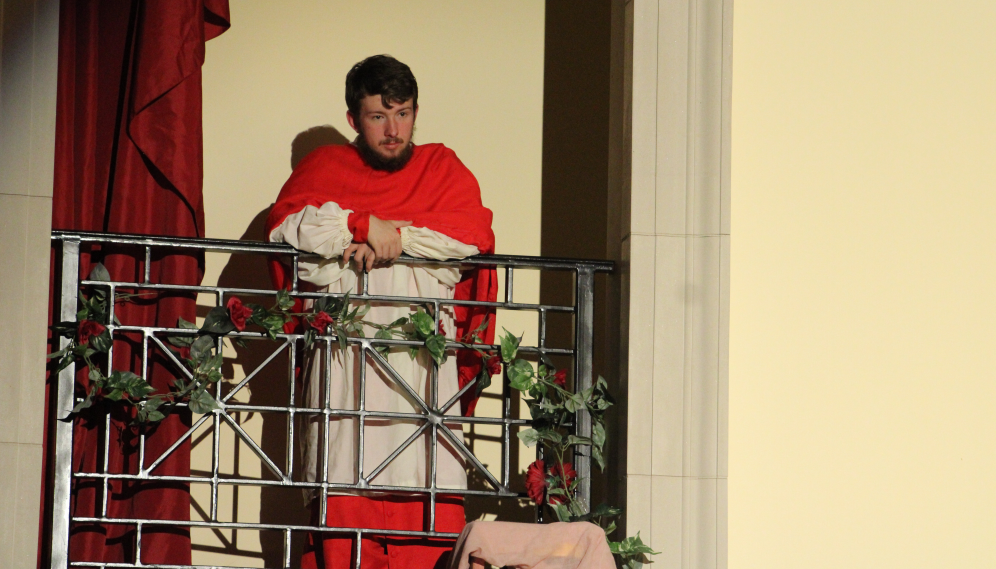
x=280 y=70
x=862 y=400
x=29 y=42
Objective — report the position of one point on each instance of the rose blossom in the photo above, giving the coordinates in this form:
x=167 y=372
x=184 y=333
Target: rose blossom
x=320 y=321
x=536 y=482
x=560 y=378
x=494 y=365
x=89 y=329
x=238 y=312
x=566 y=477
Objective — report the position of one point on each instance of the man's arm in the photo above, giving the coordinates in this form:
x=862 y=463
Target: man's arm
x=384 y=237
x=429 y=244
x=321 y=230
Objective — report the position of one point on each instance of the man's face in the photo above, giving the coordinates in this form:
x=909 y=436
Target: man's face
x=387 y=131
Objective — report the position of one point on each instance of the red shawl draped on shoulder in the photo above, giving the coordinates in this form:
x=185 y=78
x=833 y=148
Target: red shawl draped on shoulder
x=434 y=190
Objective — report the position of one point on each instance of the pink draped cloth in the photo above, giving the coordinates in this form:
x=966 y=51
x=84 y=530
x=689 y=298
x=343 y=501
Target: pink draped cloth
x=560 y=545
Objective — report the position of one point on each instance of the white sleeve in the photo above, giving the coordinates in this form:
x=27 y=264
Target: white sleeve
x=429 y=244
x=320 y=230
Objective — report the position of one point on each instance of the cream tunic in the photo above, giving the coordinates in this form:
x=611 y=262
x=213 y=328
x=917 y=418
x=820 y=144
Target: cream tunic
x=323 y=230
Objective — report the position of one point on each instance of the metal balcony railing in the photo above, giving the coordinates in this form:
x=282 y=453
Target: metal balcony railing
x=434 y=417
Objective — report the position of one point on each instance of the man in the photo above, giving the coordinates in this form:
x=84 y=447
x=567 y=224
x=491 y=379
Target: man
x=370 y=201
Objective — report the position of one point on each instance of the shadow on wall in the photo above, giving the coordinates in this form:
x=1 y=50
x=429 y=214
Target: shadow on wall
x=269 y=387
x=311 y=139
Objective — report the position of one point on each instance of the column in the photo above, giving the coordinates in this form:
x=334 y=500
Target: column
x=672 y=178
x=29 y=39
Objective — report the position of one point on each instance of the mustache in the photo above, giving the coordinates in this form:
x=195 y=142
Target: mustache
x=390 y=141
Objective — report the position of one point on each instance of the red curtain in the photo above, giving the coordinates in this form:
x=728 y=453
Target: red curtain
x=129 y=160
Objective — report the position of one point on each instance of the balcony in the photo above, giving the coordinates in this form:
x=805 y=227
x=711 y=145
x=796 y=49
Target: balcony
x=278 y=466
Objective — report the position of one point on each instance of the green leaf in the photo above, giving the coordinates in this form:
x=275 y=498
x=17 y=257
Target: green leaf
x=483 y=380
x=436 y=344
x=201 y=348
x=636 y=545
x=218 y=321
x=99 y=273
x=274 y=324
x=632 y=551
x=573 y=403
x=340 y=334
x=284 y=300
x=601 y=384
x=114 y=395
x=598 y=433
x=551 y=435
x=202 y=402
x=321 y=304
x=599 y=456
x=520 y=375
x=576 y=440
x=140 y=389
x=87 y=402
x=383 y=334
x=149 y=411
x=529 y=437
x=509 y=346
x=183 y=341
x=561 y=511
x=66 y=361
x=96 y=377
x=60 y=353
x=423 y=323
x=605 y=510
x=66 y=329
x=102 y=342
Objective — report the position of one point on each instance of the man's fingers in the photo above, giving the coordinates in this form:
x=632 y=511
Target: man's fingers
x=350 y=250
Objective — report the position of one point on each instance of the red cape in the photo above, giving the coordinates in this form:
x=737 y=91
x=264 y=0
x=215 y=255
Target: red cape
x=434 y=190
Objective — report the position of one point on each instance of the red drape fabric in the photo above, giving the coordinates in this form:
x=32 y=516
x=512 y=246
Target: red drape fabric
x=129 y=160
x=409 y=513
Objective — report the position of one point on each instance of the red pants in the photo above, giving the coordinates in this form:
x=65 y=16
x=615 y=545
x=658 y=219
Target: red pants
x=337 y=551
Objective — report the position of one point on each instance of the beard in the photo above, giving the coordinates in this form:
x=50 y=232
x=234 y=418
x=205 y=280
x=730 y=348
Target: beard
x=379 y=162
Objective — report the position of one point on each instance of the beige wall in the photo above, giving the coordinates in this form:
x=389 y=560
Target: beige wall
x=862 y=333
x=280 y=70
x=29 y=43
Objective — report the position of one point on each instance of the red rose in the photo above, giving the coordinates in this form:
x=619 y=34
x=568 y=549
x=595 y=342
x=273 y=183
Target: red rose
x=88 y=329
x=320 y=322
x=565 y=478
x=560 y=378
x=494 y=365
x=238 y=312
x=536 y=482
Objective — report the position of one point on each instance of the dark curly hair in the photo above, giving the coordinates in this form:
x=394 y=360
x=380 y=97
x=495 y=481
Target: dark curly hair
x=380 y=75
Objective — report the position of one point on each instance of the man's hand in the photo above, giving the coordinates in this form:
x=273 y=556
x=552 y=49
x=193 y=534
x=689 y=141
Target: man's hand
x=384 y=239
x=362 y=255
